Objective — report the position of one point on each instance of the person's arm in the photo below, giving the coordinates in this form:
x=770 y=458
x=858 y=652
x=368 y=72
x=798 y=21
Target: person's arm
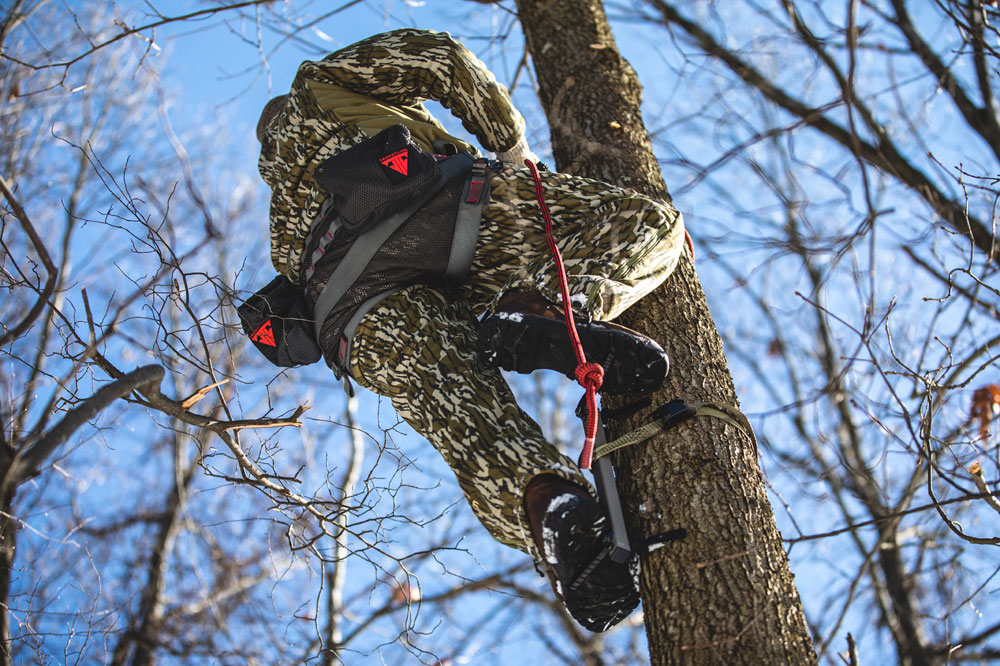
x=409 y=66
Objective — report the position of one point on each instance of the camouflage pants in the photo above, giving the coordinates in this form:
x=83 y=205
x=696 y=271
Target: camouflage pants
x=417 y=347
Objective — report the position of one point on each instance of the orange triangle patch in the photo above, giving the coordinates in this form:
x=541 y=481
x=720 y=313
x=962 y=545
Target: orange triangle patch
x=264 y=334
x=398 y=161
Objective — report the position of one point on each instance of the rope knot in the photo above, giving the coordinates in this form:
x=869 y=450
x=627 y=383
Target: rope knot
x=590 y=375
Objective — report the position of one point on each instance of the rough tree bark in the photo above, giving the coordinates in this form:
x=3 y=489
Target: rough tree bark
x=724 y=594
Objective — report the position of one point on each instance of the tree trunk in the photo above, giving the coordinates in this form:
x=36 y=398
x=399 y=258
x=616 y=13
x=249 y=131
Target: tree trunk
x=724 y=594
x=330 y=654
x=8 y=549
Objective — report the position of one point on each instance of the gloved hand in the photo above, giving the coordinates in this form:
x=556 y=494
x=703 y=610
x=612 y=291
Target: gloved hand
x=518 y=153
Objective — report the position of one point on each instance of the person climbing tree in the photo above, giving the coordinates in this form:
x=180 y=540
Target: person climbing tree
x=397 y=237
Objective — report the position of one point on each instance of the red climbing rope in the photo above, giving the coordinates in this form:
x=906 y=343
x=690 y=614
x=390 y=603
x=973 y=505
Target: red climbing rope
x=589 y=375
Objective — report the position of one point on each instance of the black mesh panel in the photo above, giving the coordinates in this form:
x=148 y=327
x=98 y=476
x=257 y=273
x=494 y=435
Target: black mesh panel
x=417 y=252
x=378 y=177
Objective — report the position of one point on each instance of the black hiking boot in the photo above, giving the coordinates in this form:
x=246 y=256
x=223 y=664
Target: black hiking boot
x=527 y=333
x=571 y=531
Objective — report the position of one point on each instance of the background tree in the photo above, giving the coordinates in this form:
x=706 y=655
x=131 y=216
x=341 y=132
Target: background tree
x=860 y=135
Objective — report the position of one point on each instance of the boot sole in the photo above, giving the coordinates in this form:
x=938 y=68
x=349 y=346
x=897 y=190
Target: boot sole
x=599 y=593
x=524 y=343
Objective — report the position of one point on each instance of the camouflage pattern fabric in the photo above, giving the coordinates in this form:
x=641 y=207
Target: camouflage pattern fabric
x=358 y=91
x=417 y=347
x=616 y=244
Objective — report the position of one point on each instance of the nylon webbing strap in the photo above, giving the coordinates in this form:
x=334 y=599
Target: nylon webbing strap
x=475 y=196
x=342 y=361
x=677 y=412
x=367 y=244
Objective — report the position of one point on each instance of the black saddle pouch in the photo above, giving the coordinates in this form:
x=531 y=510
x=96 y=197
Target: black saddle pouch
x=277 y=321
x=377 y=178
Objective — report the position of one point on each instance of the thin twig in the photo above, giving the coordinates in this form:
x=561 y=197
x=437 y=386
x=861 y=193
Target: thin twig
x=976 y=470
x=27 y=463
x=50 y=268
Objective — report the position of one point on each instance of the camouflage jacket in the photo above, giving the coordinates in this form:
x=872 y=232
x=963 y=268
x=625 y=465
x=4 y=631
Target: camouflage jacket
x=358 y=91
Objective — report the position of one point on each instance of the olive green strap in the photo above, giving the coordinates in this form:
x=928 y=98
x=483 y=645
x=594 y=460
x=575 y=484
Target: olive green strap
x=674 y=413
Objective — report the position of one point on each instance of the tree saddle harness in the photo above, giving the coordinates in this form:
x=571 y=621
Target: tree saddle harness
x=394 y=216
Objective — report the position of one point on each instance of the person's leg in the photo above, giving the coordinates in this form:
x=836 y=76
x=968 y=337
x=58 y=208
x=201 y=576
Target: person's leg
x=417 y=347
x=617 y=245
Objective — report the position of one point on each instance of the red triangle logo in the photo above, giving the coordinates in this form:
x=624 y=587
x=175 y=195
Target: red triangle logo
x=397 y=161
x=264 y=334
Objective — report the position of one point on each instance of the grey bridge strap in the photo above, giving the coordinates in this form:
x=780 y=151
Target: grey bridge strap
x=475 y=196
x=729 y=414
x=343 y=356
x=367 y=244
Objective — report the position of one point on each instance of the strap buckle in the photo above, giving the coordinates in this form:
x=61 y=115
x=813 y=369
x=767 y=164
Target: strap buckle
x=339 y=365
x=676 y=411
x=340 y=362
x=477 y=181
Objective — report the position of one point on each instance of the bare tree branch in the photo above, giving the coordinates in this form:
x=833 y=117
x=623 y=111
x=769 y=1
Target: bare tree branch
x=883 y=155
x=50 y=268
x=28 y=462
x=127 y=31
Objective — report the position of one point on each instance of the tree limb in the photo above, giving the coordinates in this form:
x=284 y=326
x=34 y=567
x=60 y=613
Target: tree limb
x=884 y=155
x=27 y=463
x=43 y=254
x=979 y=119
x=126 y=31
x=976 y=470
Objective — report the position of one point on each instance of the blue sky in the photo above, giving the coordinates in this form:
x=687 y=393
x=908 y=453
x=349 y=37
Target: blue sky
x=212 y=67
x=214 y=73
